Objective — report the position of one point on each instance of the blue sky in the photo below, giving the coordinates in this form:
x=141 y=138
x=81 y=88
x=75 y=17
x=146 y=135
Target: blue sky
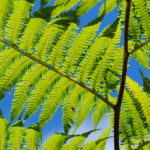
x=55 y=125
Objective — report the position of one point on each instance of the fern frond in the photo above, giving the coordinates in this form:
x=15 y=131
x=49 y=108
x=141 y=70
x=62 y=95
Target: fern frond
x=24 y=88
x=15 y=140
x=143 y=15
x=46 y=41
x=142 y=58
x=126 y=130
x=70 y=105
x=108 y=57
x=89 y=146
x=31 y=34
x=3 y=129
x=88 y=61
x=54 y=99
x=102 y=144
x=137 y=122
x=39 y=94
x=32 y=139
x=84 y=109
x=85 y=6
x=74 y=144
x=6 y=58
x=63 y=6
x=134 y=27
x=14 y=72
x=108 y=6
x=59 y=51
x=99 y=111
x=16 y=20
x=4 y=9
x=54 y=142
x=79 y=47
x=142 y=97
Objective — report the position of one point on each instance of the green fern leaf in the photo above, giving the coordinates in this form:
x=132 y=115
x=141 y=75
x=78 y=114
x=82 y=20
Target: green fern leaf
x=74 y=144
x=89 y=146
x=60 y=50
x=16 y=20
x=23 y=89
x=70 y=105
x=31 y=34
x=85 y=6
x=99 y=111
x=63 y=6
x=54 y=142
x=86 y=106
x=46 y=41
x=14 y=72
x=3 y=130
x=54 y=99
x=39 y=94
x=15 y=137
x=80 y=44
x=6 y=58
x=32 y=139
x=142 y=97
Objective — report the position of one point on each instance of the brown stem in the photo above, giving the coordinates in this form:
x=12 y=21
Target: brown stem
x=60 y=73
x=117 y=107
x=140 y=46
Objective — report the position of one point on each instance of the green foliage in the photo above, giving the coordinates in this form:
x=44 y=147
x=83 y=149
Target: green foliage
x=50 y=63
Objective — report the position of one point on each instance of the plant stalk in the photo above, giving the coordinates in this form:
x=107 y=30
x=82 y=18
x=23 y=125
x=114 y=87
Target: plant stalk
x=117 y=107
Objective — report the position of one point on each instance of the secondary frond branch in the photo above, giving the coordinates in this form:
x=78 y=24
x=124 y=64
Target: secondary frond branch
x=140 y=46
x=60 y=73
x=142 y=145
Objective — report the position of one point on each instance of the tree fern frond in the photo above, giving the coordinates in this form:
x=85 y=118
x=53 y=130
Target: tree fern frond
x=134 y=27
x=70 y=105
x=3 y=129
x=93 y=53
x=99 y=111
x=142 y=97
x=46 y=41
x=4 y=9
x=54 y=99
x=102 y=144
x=108 y=57
x=89 y=146
x=24 y=88
x=31 y=34
x=84 y=109
x=59 y=51
x=74 y=144
x=143 y=15
x=142 y=58
x=63 y=6
x=108 y=6
x=16 y=20
x=80 y=45
x=137 y=122
x=32 y=139
x=15 y=140
x=54 y=142
x=14 y=72
x=85 y=6
x=126 y=130
x=6 y=58
x=42 y=89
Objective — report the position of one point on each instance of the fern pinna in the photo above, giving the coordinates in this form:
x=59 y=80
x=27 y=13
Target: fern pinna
x=50 y=62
